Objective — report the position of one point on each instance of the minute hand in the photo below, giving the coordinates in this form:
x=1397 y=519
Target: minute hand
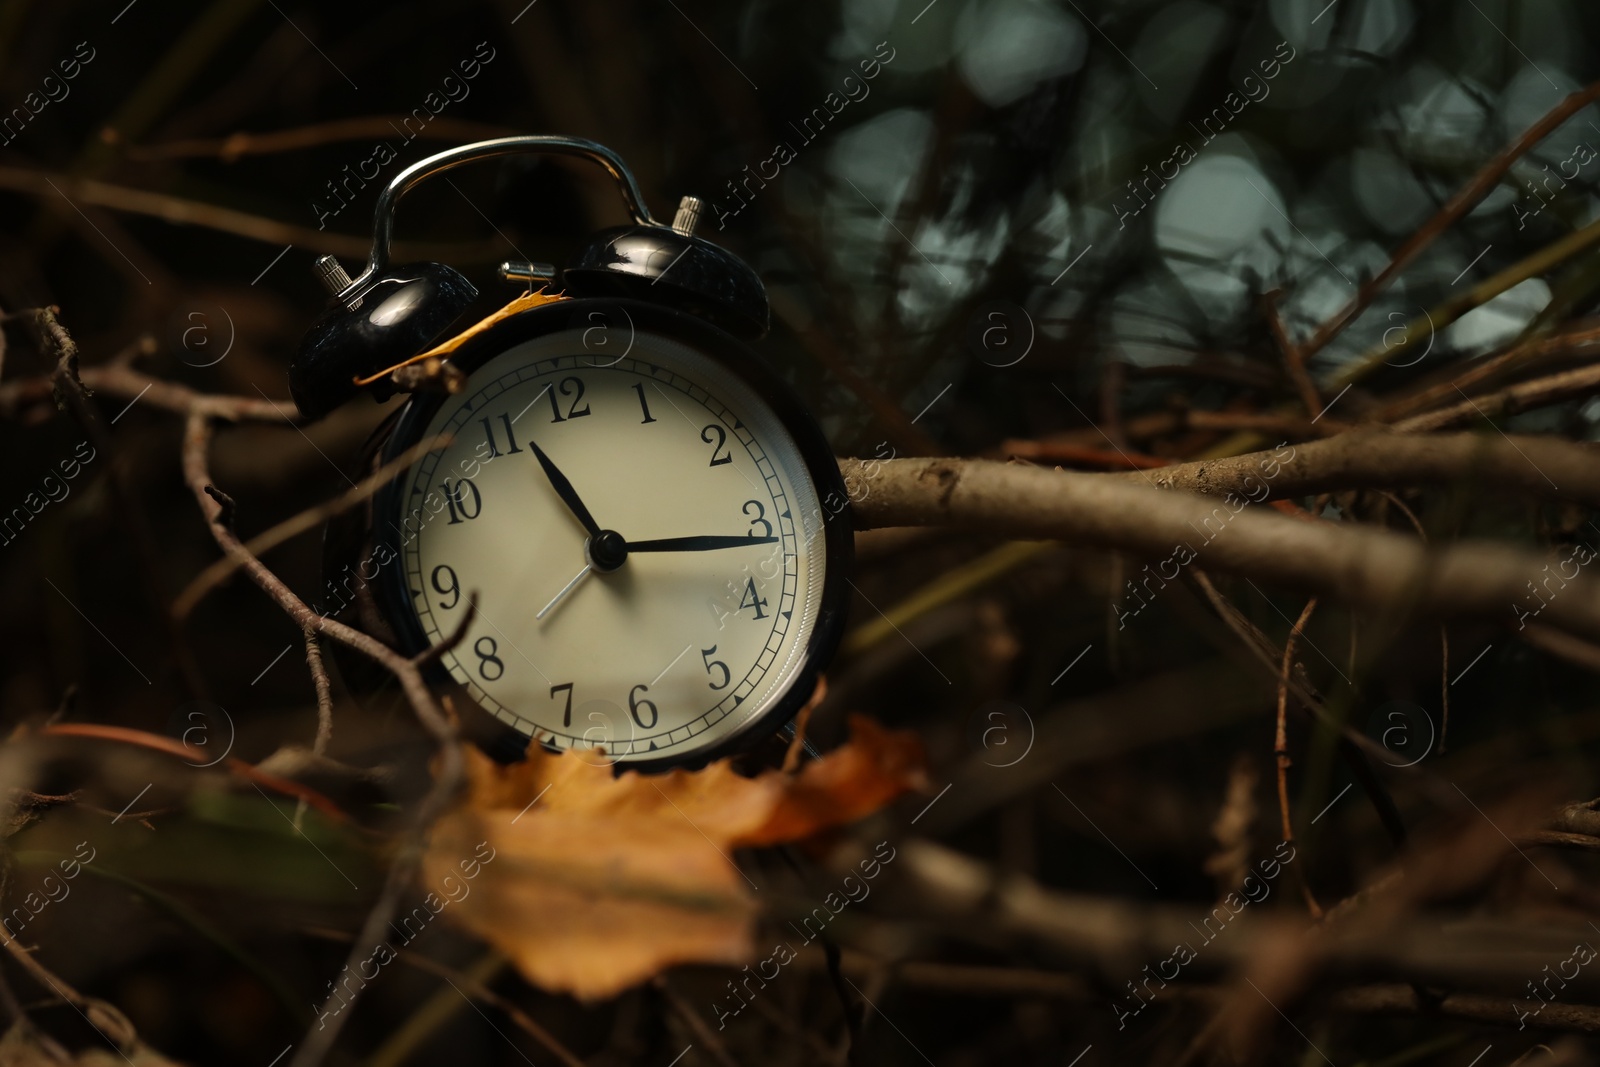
x=697 y=544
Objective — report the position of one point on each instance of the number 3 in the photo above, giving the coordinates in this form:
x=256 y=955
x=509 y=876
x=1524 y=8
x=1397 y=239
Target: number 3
x=761 y=517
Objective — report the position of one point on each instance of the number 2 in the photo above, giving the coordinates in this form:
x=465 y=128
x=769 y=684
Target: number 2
x=716 y=446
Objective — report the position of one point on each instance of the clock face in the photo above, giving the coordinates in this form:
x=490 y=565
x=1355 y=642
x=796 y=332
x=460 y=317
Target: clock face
x=678 y=624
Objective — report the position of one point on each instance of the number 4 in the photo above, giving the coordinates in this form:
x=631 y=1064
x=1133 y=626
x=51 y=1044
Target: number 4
x=752 y=599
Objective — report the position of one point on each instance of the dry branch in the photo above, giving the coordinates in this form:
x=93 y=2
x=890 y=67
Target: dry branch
x=1373 y=458
x=59 y=187
x=119 y=380
x=1524 y=396
x=1579 y=338
x=448 y=777
x=1359 y=565
x=1404 y=1000
x=309 y=519
x=235 y=146
x=1119 y=936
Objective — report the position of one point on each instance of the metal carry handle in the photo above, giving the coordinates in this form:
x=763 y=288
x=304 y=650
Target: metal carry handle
x=383 y=212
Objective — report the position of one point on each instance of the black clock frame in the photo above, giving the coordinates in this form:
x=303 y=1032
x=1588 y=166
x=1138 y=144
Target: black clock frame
x=390 y=589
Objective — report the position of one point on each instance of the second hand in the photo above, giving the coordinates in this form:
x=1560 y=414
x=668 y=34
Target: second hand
x=580 y=576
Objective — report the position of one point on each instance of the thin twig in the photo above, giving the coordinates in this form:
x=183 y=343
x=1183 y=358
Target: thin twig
x=1524 y=396
x=194 y=757
x=309 y=519
x=235 y=146
x=121 y=381
x=449 y=776
x=183 y=212
x=476 y=989
x=1433 y=319
x=1294 y=360
x=433 y=652
x=1280 y=747
x=699 y=1027
x=99 y=1014
x=1580 y=338
x=319 y=680
x=1482 y=183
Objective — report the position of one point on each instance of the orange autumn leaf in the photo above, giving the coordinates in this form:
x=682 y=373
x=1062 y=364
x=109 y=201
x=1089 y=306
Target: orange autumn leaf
x=846 y=785
x=595 y=883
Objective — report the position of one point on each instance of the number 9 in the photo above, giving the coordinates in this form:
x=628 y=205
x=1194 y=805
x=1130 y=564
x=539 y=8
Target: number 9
x=453 y=590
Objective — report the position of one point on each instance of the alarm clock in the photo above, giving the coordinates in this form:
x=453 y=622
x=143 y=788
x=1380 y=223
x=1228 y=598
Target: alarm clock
x=642 y=527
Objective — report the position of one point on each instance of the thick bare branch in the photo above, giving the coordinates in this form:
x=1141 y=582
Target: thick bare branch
x=1359 y=565
x=1119 y=935
x=1374 y=458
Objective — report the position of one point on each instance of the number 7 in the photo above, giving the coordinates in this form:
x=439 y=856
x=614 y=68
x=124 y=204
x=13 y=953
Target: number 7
x=566 y=719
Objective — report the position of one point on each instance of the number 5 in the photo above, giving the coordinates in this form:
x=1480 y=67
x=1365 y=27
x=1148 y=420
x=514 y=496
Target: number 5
x=715 y=664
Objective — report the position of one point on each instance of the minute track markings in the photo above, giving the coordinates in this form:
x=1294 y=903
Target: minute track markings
x=774 y=490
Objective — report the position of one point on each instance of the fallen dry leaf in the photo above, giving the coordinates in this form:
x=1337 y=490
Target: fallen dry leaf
x=606 y=881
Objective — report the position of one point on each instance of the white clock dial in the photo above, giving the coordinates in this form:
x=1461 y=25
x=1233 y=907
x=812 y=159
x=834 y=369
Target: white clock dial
x=657 y=655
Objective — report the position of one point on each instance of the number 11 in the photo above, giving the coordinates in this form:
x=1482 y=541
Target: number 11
x=510 y=436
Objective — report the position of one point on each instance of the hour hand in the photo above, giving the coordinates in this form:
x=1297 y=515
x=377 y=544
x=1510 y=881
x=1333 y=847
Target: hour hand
x=697 y=544
x=564 y=490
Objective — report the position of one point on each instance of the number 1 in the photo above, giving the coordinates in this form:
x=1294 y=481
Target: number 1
x=643 y=405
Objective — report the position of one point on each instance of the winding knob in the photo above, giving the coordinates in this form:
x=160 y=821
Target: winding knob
x=332 y=275
x=688 y=214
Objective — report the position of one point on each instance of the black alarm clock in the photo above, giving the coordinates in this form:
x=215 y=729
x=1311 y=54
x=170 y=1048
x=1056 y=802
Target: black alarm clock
x=652 y=527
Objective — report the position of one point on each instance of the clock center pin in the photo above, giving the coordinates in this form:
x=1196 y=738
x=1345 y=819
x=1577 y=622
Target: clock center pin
x=606 y=551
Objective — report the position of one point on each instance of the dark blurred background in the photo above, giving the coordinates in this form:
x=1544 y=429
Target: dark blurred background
x=1035 y=219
